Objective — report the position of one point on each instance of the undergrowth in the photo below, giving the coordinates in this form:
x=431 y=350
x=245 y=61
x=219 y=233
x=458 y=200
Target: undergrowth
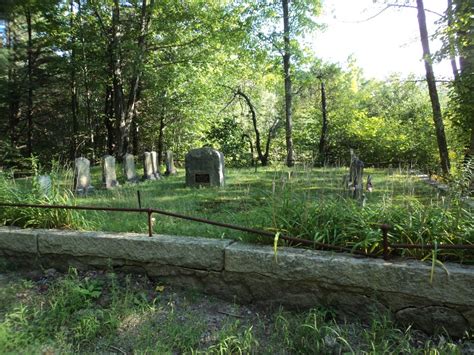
x=14 y=192
x=306 y=203
x=109 y=312
x=341 y=221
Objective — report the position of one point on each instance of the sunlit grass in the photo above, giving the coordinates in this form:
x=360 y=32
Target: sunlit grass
x=109 y=313
x=304 y=202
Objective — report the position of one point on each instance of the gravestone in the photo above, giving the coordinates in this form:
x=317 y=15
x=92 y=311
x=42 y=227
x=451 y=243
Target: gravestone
x=45 y=184
x=370 y=187
x=170 y=169
x=204 y=167
x=109 y=177
x=148 y=167
x=82 y=176
x=129 y=168
x=154 y=161
x=356 y=172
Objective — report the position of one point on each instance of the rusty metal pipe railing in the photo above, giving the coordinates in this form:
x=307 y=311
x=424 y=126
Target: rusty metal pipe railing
x=150 y=211
x=431 y=246
x=384 y=227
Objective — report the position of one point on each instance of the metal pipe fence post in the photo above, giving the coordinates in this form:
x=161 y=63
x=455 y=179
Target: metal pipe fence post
x=150 y=227
x=385 y=228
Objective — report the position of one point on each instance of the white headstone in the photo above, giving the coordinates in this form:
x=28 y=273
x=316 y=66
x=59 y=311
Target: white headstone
x=82 y=176
x=154 y=161
x=129 y=168
x=148 y=173
x=109 y=177
x=45 y=183
x=170 y=169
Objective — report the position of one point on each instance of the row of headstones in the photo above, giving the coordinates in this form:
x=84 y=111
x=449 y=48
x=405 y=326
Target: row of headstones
x=82 y=176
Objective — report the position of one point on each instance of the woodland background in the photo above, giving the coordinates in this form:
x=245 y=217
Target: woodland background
x=90 y=77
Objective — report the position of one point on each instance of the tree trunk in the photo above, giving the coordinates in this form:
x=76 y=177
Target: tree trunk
x=108 y=119
x=135 y=129
x=128 y=112
x=263 y=157
x=73 y=88
x=452 y=41
x=161 y=133
x=29 y=100
x=13 y=95
x=430 y=78
x=117 y=75
x=91 y=123
x=290 y=161
x=324 y=128
x=245 y=135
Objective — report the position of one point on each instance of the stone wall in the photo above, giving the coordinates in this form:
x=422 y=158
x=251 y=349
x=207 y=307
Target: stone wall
x=353 y=287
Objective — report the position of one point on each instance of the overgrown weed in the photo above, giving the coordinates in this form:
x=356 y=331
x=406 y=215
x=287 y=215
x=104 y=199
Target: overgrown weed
x=96 y=312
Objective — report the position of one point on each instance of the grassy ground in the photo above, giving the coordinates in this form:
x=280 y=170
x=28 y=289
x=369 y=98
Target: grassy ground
x=304 y=202
x=113 y=313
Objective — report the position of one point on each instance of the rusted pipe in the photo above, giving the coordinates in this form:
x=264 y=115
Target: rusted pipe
x=431 y=246
x=150 y=211
x=150 y=226
x=385 y=245
x=196 y=219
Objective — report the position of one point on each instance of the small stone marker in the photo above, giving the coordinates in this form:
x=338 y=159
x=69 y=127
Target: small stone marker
x=204 y=167
x=82 y=176
x=170 y=169
x=129 y=168
x=109 y=177
x=154 y=161
x=148 y=167
x=45 y=184
x=370 y=187
x=356 y=172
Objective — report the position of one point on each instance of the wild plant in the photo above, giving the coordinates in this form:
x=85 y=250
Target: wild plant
x=32 y=192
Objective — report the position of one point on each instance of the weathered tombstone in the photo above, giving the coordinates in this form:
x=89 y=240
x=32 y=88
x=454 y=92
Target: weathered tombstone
x=45 y=184
x=148 y=167
x=109 y=177
x=82 y=176
x=170 y=169
x=356 y=172
x=370 y=187
x=129 y=168
x=204 y=167
x=154 y=161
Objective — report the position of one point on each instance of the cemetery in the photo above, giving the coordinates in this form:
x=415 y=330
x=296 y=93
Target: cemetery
x=236 y=177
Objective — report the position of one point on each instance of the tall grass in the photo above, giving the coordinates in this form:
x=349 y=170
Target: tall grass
x=304 y=202
x=339 y=220
x=31 y=192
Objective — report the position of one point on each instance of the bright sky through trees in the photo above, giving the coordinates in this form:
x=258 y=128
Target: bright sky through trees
x=382 y=45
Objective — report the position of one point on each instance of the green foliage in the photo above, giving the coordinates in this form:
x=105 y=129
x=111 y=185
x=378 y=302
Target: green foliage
x=341 y=221
x=228 y=137
x=96 y=312
x=31 y=192
x=234 y=340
